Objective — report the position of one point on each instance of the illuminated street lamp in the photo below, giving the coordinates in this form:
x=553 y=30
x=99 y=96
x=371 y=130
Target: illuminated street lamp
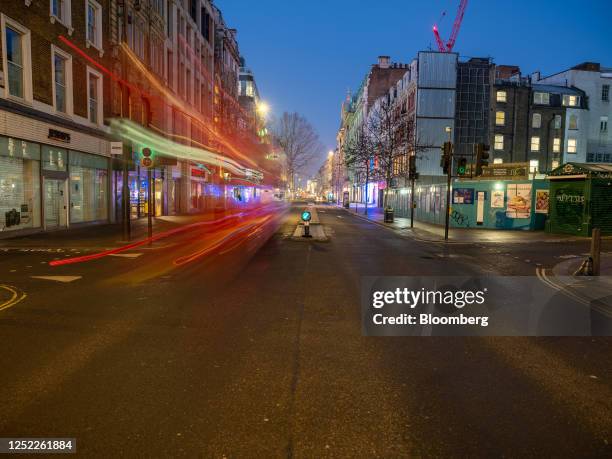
x=262 y=109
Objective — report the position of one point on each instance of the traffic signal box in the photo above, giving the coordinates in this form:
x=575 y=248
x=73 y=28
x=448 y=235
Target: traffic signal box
x=482 y=157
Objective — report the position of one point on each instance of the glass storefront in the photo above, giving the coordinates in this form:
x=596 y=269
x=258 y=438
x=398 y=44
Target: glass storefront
x=45 y=186
x=88 y=187
x=19 y=184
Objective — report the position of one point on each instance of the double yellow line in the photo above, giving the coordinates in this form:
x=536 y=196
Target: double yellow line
x=16 y=296
x=541 y=273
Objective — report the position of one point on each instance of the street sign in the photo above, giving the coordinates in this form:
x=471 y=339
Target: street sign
x=306 y=216
x=116 y=148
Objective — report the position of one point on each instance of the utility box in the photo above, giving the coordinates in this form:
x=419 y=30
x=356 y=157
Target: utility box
x=581 y=199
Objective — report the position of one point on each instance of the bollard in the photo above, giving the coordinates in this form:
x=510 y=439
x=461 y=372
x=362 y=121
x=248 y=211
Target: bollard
x=596 y=251
x=306 y=229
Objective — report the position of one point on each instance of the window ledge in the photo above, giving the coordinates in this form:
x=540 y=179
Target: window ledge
x=54 y=19
x=90 y=44
x=20 y=100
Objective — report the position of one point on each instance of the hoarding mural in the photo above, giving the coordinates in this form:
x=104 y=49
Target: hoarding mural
x=497 y=199
x=463 y=196
x=519 y=201
x=542 y=201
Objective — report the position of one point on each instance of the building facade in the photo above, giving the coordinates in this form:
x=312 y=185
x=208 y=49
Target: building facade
x=78 y=78
x=54 y=141
x=594 y=139
x=530 y=123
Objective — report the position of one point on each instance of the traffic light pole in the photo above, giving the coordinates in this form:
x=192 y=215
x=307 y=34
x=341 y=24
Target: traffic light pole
x=412 y=202
x=150 y=209
x=448 y=196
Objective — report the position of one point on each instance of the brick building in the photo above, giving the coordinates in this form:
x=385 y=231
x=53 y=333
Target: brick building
x=78 y=75
x=528 y=122
x=54 y=141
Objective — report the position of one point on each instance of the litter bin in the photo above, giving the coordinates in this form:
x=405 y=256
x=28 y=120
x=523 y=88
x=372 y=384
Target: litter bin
x=389 y=215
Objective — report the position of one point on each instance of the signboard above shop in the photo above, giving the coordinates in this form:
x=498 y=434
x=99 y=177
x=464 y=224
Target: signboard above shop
x=509 y=171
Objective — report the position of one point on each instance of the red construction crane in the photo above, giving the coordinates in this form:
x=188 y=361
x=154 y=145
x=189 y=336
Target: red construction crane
x=448 y=46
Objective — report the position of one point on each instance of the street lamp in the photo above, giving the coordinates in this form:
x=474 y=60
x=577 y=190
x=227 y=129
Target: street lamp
x=262 y=109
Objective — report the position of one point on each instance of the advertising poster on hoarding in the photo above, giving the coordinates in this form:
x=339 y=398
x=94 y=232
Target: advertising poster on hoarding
x=463 y=196
x=542 y=201
x=497 y=199
x=519 y=201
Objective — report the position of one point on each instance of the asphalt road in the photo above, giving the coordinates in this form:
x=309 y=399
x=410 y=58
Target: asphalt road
x=256 y=351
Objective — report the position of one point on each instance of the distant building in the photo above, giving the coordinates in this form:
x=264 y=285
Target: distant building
x=589 y=137
x=380 y=79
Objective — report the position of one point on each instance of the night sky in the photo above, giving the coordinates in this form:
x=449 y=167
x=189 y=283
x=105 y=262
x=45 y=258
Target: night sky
x=306 y=55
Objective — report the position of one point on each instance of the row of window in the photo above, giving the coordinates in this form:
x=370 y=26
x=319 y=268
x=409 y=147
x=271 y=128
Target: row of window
x=18 y=62
x=543 y=98
x=536 y=120
x=61 y=11
x=599 y=158
x=572 y=144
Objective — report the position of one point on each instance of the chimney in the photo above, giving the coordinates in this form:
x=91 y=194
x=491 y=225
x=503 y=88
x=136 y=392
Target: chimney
x=383 y=62
x=536 y=76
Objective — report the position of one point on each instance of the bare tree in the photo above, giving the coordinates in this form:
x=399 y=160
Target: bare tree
x=359 y=152
x=299 y=142
x=386 y=128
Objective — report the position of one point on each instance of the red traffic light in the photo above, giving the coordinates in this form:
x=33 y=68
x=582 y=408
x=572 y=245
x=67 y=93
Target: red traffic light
x=146 y=152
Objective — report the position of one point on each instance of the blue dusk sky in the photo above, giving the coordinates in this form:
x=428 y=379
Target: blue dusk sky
x=306 y=55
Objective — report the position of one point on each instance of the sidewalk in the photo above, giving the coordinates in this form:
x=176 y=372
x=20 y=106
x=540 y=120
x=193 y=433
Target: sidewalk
x=435 y=233
x=99 y=235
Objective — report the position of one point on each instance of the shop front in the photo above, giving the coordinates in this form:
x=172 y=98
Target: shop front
x=44 y=187
x=20 y=191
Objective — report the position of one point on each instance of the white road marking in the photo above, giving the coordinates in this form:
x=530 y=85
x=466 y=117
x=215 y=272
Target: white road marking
x=125 y=255
x=63 y=279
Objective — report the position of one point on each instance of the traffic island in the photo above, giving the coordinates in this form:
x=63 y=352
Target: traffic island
x=317 y=233
x=309 y=228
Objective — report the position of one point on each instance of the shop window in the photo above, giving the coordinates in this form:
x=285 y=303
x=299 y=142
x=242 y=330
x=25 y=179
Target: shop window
x=19 y=184
x=54 y=159
x=88 y=187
